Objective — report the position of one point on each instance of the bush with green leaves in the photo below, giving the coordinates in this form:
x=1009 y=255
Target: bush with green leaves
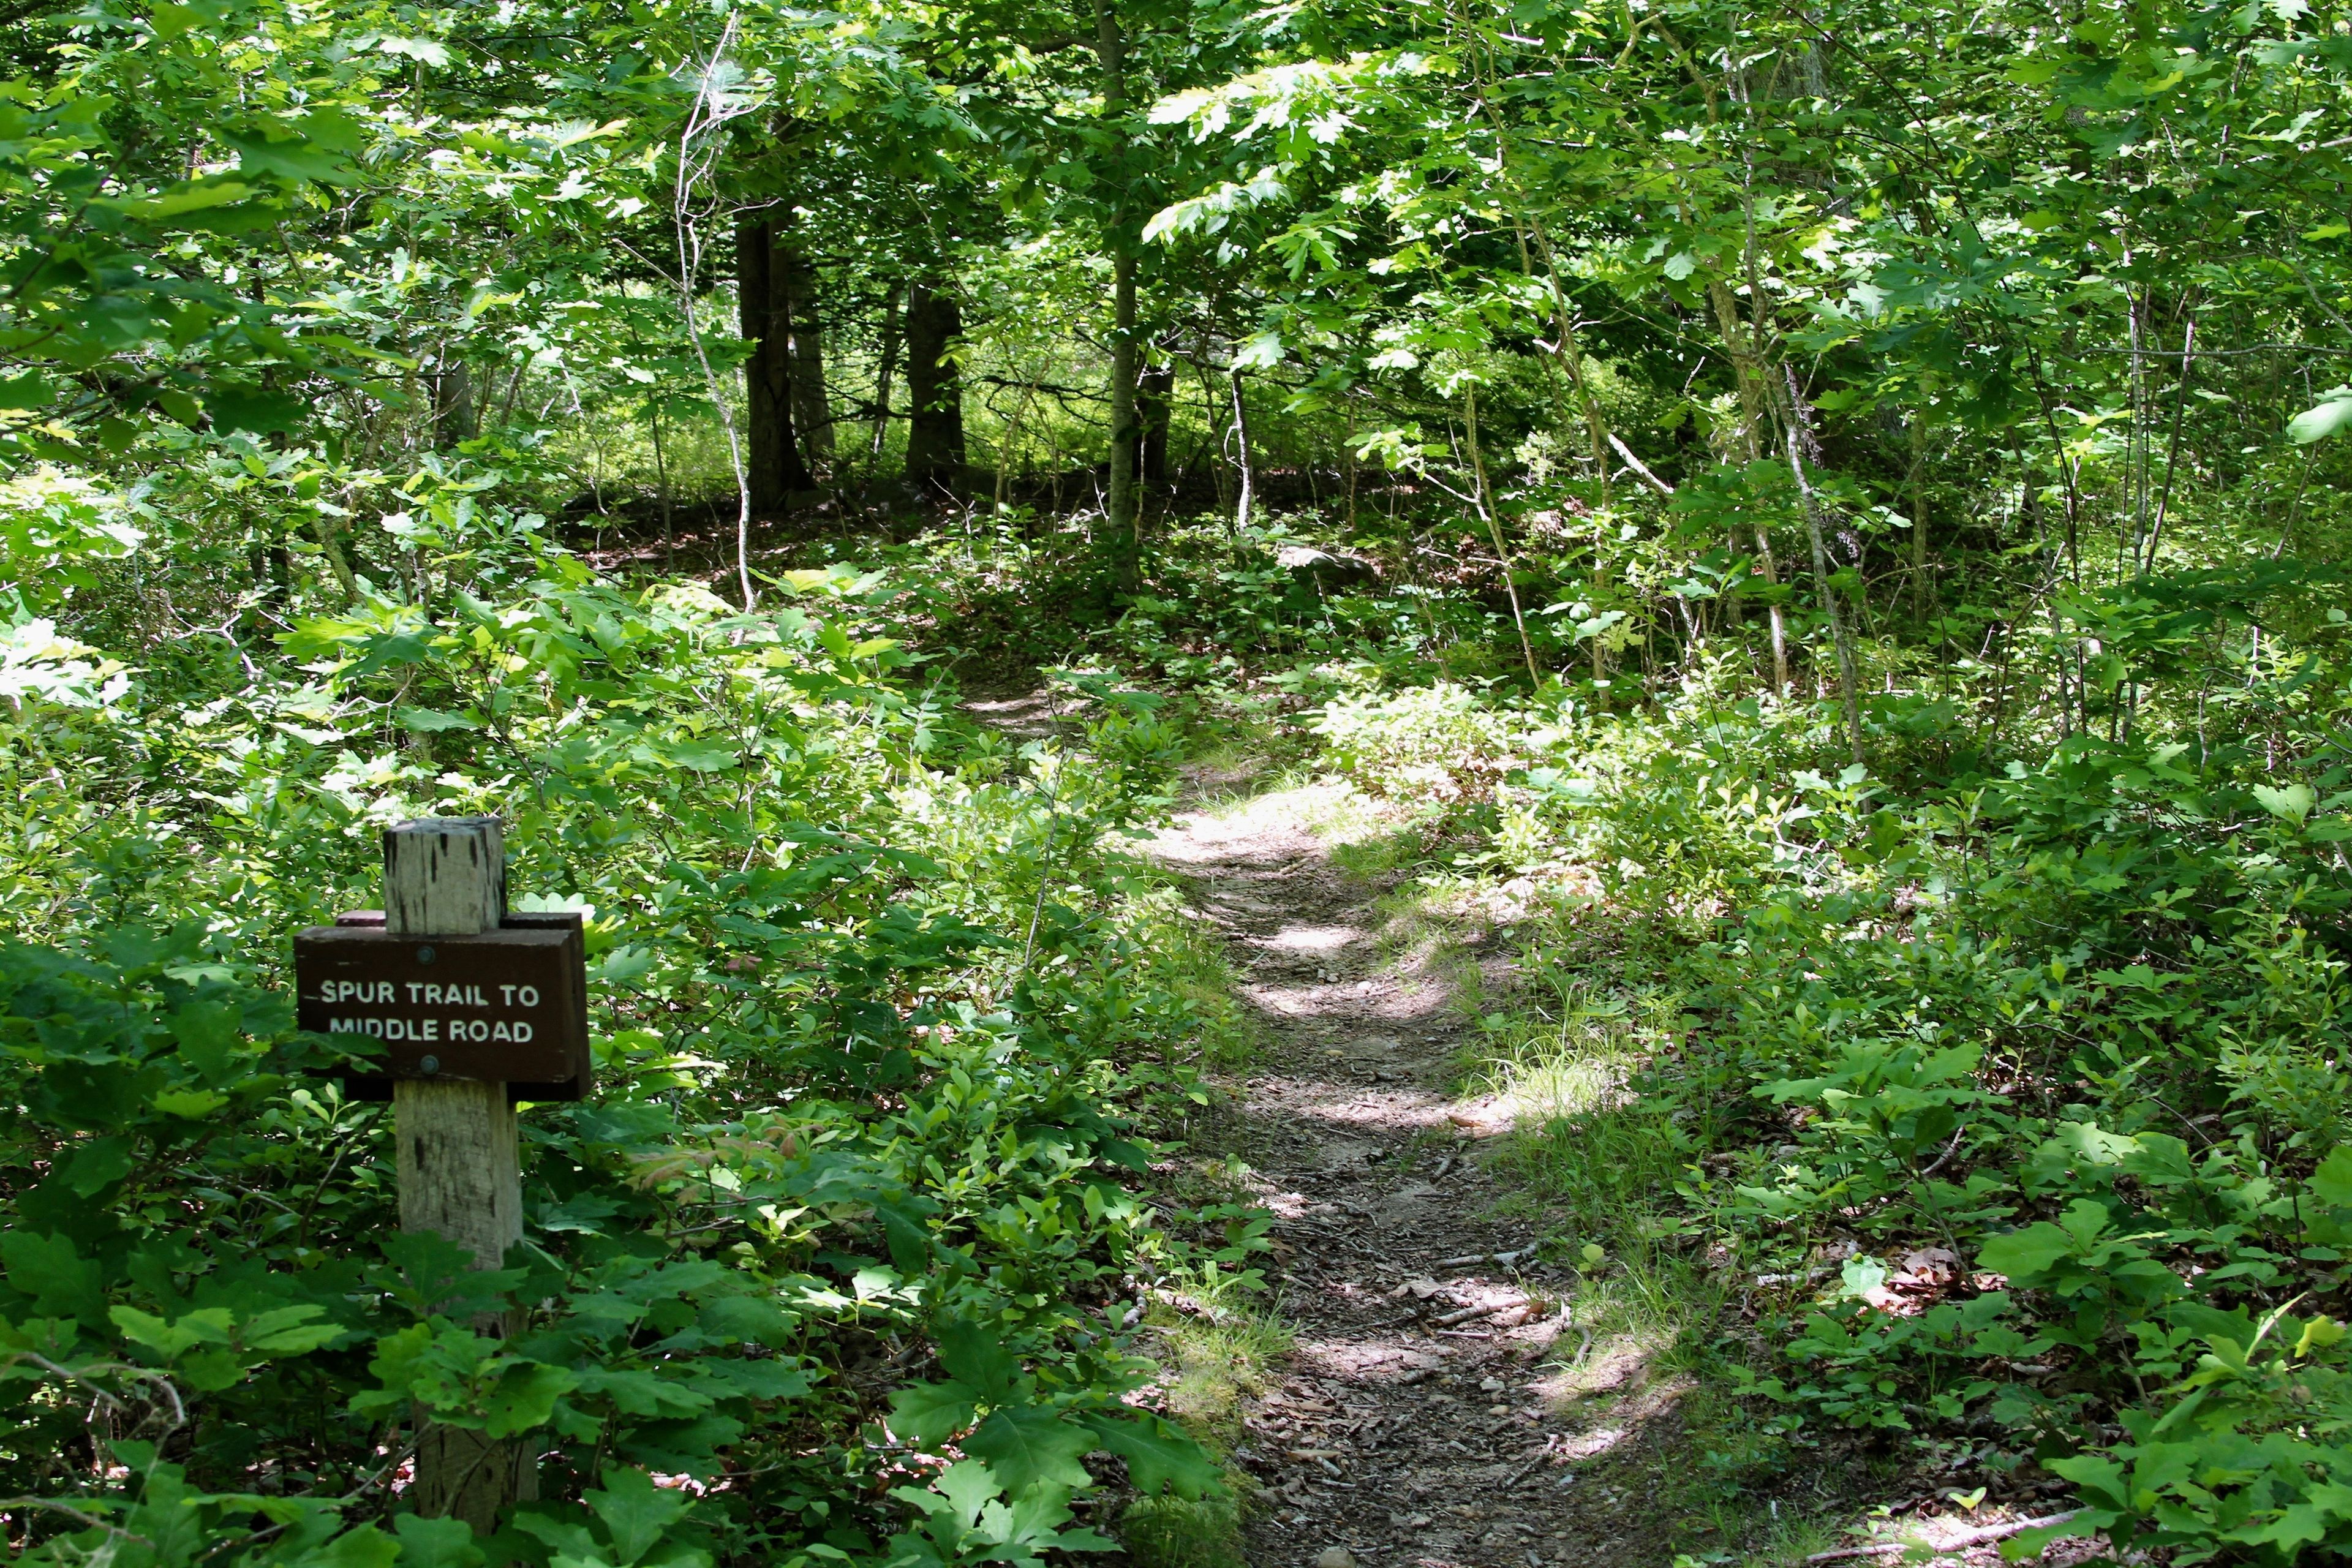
x=2008 y=1094
x=835 y=1263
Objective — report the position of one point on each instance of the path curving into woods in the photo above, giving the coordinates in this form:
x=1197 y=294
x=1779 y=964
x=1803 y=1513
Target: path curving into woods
x=1441 y=1406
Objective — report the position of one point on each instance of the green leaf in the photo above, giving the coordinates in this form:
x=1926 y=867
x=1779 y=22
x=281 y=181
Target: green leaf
x=289 y=1330
x=2291 y=804
x=425 y=50
x=2332 y=1182
x=2025 y=1255
x=366 y=1547
x=700 y=756
x=316 y=147
x=1158 y=1455
x=2325 y=420
x=929 y=1414
x=196 y=196
x=978 y=1358
x=1031 y=1446
x=62 y=1282
x=436 y=1542
x=636 y=1513
x=28 y=390
x=96 y=1167
x=191 y=1104
x=432 y=722
x=525 y=1397
x=206 y=1326
x=209 y=1033
x=758 y=1319
x=253 y=409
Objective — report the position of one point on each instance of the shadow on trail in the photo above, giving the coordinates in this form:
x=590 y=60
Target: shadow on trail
x=1441 y=1405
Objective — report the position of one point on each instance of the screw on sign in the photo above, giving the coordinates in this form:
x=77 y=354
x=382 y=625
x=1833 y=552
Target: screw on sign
x=467 y=1009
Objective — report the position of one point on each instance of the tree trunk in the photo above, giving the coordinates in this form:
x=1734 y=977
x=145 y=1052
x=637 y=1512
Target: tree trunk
x=1126 y=525
x=804 y=348
x=1494 y=523
x=1919 y=513
x=1747 y=371
x=935 y=459
x=882 y=374
x=456 y=405
x=772 y=465
x=661 y=485
x=1126 y=516
x=1798 y=433
x=1242 y=453
x=1153 y=390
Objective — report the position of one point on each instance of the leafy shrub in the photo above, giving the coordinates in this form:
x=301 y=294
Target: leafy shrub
x=873 y=1029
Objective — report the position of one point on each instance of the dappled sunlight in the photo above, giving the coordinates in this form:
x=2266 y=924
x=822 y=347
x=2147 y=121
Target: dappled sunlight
x=1614 y=1365
x=1423 y=1418
x=1362 y=998
x=1314 y=939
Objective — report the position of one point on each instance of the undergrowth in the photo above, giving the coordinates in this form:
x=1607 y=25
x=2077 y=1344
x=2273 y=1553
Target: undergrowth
x=1969 y=1120
x=838 y=1262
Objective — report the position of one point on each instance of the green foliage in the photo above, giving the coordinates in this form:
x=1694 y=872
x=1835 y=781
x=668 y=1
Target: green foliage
x=2009 y=1100
x=873 y=1016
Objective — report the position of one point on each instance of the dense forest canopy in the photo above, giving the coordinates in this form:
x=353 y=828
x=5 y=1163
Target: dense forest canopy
x=1825 y=522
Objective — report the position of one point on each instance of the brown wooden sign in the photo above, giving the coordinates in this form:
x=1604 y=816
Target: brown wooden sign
x=508 y=1005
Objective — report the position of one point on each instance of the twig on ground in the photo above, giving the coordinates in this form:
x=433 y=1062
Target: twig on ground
x=1447 y=1319
x=1499 y=1259
x=1961 y=1543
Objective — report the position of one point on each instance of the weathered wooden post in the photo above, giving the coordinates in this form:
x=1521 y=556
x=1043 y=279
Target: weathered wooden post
x=460 y=1166
x=475 y=1009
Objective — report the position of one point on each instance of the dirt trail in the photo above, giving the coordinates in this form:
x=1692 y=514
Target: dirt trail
x=1441 y=1407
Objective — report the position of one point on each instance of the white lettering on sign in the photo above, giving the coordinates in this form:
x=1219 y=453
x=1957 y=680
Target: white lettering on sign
x=482 y=1029
x=427 y=1030
x=434 y=996
x=336 y=992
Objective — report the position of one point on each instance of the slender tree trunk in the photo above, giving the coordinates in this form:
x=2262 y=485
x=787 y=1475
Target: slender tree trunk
x=1241 y=451
x=1153 y=388
x=1125 y=519
x=456 y=405
x=1797 y=433
x=327 y=527
x=1014 y=430
x=882 y=374
x=1750 y=375
x=1495 y=527
x=2146 y=564
x=1126 y=516
x=773 y=463
x=804 y=348
x=1920 y=514
x=935 y=450
x=661 y=488
x=1349 y=456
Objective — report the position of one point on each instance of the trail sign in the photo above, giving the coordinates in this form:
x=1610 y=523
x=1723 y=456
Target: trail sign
x=507 y=1005
x=476 y=1009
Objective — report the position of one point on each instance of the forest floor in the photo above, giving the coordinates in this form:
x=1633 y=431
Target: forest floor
x=1417 y=1390
x=1438 y=1403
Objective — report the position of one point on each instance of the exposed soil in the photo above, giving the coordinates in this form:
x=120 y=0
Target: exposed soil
x=1443 y=1405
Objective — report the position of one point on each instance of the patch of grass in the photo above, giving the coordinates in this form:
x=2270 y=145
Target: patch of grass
x=1177 y=1532
x=1213 y=1357
x=1218 y=1355
x=1226 y=1035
